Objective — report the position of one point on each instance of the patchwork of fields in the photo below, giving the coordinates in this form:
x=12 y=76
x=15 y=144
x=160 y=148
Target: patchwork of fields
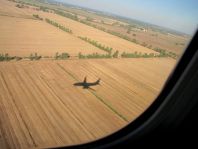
x=21 y=36
x=29 y=36
x=40 y=106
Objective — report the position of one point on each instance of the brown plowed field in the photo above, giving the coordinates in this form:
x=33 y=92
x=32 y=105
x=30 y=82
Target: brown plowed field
x=40 y=107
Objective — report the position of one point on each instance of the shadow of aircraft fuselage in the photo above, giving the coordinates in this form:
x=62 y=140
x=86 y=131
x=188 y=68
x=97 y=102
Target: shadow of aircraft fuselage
x=87 y=85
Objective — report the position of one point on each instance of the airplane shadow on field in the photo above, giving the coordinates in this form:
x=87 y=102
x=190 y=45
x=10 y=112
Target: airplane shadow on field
x=87 y=85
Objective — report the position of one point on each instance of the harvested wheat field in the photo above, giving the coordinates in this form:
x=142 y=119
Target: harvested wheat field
x=20 y=37
x=104 y=38
x=8 y=8
x=39 y=104
x=40 y=107
x=22 y=34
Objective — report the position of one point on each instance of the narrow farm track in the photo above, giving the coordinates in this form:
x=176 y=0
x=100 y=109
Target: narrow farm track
x=40 y=107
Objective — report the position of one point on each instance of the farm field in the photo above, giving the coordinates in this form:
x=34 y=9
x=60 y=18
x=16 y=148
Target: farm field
x=40 y=107
x=169 y=42
x=83 y=30
x=8 y=9
x=30 y=35
x=47 y=47
x=156 y=39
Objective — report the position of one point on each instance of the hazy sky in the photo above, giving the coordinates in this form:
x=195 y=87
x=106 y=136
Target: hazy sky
x=181 y=15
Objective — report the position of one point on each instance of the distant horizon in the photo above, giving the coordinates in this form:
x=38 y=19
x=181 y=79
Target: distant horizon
x=118 y=15
x=186 y=24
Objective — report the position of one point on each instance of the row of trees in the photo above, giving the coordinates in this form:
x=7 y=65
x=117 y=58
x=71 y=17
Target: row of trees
x=21 y=6
x=35 y=56
x=122 y=36
x=116 y=55
x=58 y=26
x=172 y=54
x=110 y=31
x=92 y=25
x=44 y=9
x=98 y=56
x=61 y=56
x=137 y=55
x=67 y=15
x=75 y=18
x=6 y=57
x=37 y=17
x=96 y=44
x=64 y=56
x=164 y=53
x=93 y=55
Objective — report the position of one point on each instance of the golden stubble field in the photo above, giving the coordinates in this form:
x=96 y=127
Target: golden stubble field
x=40 y=107
x=21 y=37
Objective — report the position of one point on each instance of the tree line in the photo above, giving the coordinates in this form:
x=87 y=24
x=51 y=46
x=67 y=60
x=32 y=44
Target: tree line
x=96 y=44
x=116 y=55
x=162 y=53
x=93 y=55
x=98 y=56
x=21 y=6
x=35 y=56
x=67 y=15
x=7 y=57
x=62 y=56
x=37 y=17
x=137 y=55
x=65 y=29
x=165 y=53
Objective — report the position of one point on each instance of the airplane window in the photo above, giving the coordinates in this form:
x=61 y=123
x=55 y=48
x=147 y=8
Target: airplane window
x=75 y=71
